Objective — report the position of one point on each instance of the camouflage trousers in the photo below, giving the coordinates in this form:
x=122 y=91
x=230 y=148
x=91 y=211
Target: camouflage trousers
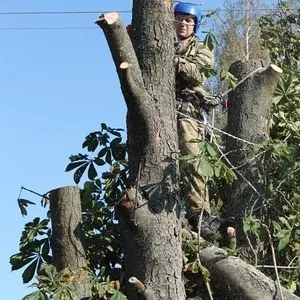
x=194 y=189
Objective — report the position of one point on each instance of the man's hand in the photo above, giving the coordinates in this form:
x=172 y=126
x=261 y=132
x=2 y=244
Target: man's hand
x=176 y=62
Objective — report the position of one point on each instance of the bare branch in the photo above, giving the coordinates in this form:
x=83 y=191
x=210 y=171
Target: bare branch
x=125 y=60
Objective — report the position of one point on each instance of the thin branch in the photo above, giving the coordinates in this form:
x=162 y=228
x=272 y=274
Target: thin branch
x=274 y=261
x=252 y=249
x=33 y=192
x=287 y=201
x=272 y=267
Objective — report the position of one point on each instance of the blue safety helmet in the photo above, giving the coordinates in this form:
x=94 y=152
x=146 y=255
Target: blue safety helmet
x=189 y=9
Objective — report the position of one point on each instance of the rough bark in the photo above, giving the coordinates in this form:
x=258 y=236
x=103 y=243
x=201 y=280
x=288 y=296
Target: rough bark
x=149 y=211
x=248 y=119
x=66 y=242
x=233 y=279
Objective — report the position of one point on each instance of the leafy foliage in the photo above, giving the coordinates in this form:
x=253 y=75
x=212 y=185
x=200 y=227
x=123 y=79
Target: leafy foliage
x=33 y=250
x=197 y=276
x=23 y=203
x=280 y=33
x=60 y=285
x=210 y=163
x=278 y=163
x=99 y=195
x=102 y=241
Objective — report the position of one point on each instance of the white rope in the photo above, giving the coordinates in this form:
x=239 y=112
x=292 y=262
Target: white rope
x=238 y=172
x=241 y=81
x=214 y=128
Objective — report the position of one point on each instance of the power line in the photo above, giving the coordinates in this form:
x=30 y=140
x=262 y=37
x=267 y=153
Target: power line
x=128 y=11
x=46 y=28
x=59 y=12
x=101 y=12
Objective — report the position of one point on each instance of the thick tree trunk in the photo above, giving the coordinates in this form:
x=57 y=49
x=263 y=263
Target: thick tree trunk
x=248 y=119
x=149 y=211
x=233 y=279
x=66 y=244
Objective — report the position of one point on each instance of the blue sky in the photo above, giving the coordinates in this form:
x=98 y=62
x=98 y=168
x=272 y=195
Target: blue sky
x=56 y=86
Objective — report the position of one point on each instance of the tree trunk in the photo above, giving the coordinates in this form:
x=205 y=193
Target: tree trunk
x=66 y=242
x=233 y=279
x=248 y=119
x=149 y=211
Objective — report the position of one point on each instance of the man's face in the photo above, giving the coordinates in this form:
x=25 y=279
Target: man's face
x=184 y=26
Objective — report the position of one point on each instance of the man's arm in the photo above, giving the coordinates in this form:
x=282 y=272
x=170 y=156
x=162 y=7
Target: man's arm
x=191 y=67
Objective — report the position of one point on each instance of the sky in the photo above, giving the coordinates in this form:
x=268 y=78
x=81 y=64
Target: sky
x=56 y=86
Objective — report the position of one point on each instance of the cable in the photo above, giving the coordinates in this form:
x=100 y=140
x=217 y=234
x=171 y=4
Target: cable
x=127 y=11
x=59 y=12
x=102 y=12
x=45 y=28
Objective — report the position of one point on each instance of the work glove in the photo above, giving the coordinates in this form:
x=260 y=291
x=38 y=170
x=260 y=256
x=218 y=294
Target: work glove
x=210 y=101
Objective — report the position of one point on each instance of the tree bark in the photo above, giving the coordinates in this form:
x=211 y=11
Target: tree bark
x=248 y=119
x=233 y=279
x=66 y=242
x=149 y=211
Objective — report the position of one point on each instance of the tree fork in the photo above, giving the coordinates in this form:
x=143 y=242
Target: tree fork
x=66 y=241
x=152 y=231
x=132 y=85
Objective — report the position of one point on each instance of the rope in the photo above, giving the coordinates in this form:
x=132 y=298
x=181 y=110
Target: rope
x=214 y=128
x=242 y=80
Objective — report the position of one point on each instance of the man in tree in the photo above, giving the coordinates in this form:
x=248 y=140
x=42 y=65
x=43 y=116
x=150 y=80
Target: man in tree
x=192 y=57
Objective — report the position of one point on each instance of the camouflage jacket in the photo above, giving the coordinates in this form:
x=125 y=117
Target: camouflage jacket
x=193 y=59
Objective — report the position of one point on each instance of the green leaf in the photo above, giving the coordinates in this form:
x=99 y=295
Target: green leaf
x=285 y=222
x=99 y=162
x=114 y=131
x=92 y=173
x=103 y=126
x=38 y=295
x=276 y=225
x=98 y=183
x=102 y=152
x=91 y=141
x=119 y=152
x=208 y=41
x=117 y=296
x=217 y=170
x=79 y=172
x=115 y=141
x=29 y=271
x=74 y=165
x=25 y=202
x=211 y=150
x=108 y=157
x=46 y=247
x=292 y=286
x=22 y=203
x=193 y=267
x=78 y=157
x=283 y=242
x=206 y=168
x=19 y=260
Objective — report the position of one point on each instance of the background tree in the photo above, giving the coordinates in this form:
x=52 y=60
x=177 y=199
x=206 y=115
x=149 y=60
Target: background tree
x=238 y=32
